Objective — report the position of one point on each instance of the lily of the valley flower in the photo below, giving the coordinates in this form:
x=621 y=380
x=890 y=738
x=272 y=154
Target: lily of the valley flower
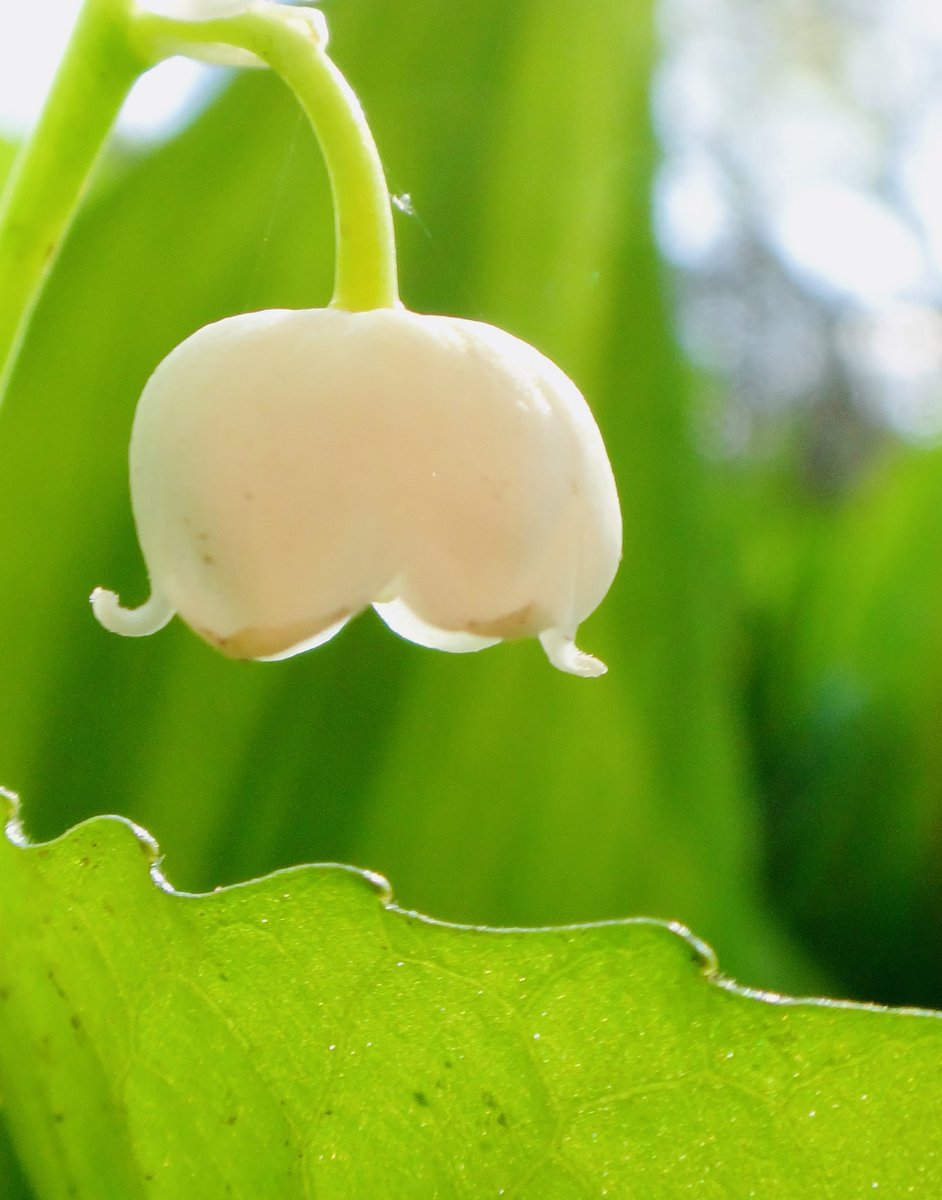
x=291 y=468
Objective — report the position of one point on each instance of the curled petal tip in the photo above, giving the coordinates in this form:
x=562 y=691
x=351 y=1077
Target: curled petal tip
x=564 y=654
x=152 y=615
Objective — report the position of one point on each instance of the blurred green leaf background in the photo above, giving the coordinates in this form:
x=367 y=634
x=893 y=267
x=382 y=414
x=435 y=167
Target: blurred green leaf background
x=762 y=761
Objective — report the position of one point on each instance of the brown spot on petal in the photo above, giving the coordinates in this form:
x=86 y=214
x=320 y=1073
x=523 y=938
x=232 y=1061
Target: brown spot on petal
x=522 y=623
x=256 y=642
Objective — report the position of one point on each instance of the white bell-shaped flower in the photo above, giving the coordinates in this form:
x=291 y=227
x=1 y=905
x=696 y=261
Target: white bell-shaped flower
x=291 y=468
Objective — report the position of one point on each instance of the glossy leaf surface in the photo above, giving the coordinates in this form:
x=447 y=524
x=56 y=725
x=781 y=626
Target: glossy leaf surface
x=300 y=1036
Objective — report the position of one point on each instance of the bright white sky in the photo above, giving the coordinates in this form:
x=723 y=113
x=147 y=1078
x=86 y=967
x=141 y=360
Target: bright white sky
x=33 y=36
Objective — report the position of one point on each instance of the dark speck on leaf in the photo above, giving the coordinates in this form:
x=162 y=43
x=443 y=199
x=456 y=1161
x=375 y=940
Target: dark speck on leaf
x=421 y=1099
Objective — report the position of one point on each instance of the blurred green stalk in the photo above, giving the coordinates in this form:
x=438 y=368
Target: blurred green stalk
x=51 y=172
x=366 y=274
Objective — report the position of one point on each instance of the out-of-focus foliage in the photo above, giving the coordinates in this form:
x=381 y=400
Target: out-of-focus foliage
x=800 y=200
x=847 y=710
x=766 y=739
x=800 y=197
x=292 y=1037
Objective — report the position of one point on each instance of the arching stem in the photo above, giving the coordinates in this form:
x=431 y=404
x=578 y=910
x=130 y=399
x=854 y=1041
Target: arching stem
x=366 y=274
x=112 y=44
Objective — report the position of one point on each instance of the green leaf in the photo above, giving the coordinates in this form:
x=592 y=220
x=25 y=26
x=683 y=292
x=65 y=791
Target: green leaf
x=301 y=1036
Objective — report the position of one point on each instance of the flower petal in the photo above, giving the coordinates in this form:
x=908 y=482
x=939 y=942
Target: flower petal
x=564 y=654
x=401 y=619
x=142 y=621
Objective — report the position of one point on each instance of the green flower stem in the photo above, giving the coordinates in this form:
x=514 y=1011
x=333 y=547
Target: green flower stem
x=51 y=171
x=365 y=274
x=113 y=43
